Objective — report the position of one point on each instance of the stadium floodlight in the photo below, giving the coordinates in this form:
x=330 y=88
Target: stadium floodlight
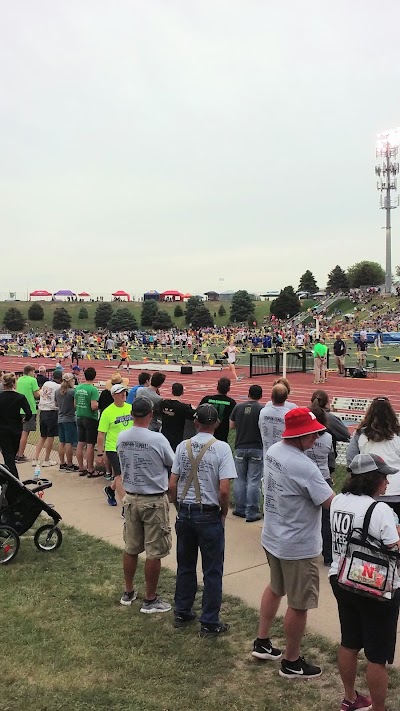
x=386 y=170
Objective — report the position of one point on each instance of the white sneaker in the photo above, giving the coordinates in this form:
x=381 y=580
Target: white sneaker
x=49 y=463
x=35 y=462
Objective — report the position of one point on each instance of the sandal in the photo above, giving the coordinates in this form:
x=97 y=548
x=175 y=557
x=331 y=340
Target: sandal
x=82 y=472
x=94 y=475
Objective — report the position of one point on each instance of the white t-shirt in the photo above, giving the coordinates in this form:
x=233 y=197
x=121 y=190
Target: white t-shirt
x=144 y=456
x=294 y=490
x=272 y=422
x=319 y=453
x=217 y=464
x=389 y=450
x=48 y=395
x=347 y=512
x=300 y=338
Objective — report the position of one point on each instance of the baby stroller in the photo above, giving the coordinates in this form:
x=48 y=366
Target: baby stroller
x=20 y=506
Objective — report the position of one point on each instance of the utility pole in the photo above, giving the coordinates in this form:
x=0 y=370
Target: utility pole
x=386 y=170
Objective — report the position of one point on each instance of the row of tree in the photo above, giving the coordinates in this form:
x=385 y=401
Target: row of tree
x=361 y=274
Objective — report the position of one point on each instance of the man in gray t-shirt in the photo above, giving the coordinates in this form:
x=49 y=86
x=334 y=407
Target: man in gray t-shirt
x=145 y=458
x=272 y=417
x=153 y=394
x=294 y=491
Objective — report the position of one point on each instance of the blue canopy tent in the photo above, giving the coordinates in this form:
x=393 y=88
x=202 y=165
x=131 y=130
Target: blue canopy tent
x=151 y=296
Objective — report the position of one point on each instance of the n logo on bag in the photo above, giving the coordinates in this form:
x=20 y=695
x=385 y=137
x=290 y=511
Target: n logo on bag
x=342 y=524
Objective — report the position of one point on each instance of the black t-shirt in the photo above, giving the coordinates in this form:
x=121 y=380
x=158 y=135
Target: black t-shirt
x=41 y=379
x=245 y=416
x=105 y=400
x=174 y=415
x=224 y=406
x=339 y=347
x=11 y=404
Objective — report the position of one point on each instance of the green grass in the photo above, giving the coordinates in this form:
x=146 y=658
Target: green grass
x=68 y=645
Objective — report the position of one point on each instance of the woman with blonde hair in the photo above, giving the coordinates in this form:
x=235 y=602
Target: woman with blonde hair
x=11 y=404
x=67 y=431
x=379 y=433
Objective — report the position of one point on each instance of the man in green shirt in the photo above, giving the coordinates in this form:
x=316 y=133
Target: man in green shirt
x=320 y=360
x=27 y=385
x=86 y=406
x=114 y=419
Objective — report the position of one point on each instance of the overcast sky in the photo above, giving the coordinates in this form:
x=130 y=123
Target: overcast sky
x=192 y=144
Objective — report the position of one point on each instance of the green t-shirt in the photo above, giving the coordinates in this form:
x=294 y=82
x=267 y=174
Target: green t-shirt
x=114 y=420
x=320 y=350
x=84 y=394
x=27 y=385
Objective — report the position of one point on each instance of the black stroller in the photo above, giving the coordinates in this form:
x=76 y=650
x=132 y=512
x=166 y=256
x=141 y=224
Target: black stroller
x=20 y=506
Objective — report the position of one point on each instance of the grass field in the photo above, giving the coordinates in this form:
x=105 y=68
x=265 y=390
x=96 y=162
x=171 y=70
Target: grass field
x=68 y=645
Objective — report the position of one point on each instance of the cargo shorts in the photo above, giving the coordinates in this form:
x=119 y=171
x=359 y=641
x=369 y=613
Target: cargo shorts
x=147 y=527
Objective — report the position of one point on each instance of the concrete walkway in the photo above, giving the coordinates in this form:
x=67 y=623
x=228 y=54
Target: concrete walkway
x=81 y=503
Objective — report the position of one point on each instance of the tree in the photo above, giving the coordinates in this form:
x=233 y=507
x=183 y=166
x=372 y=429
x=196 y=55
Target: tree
x=201 y=317
x=61 y=318
x=83 y=313
x=365 y=274
x=308 y=283
x=162 y=321
x=35 y=312
x=242 y=308
x=103 y=314
x=13 y=319
x=287 y=304
x=149 y=312
x=222 y=310
x=122 y=320
x=192 y=303
x=178 y=311
x=337 y=280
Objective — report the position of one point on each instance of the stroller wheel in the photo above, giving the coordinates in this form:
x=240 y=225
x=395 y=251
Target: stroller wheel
x=9 y=544
x=48 y=538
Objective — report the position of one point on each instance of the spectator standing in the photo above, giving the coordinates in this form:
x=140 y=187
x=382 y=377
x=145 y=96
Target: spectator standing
x=114 y=419
x=152 y=392
x=295 y=490
x=174 y=414
x=86 y=405
x=272 y=417
x=48 y=419
x=339 y=350
x=143 y=382
x=224 y=406
x=27 y=385
x=199 y=488
x=145 y=457
x=11 y=406
x=320 y=361
x=41 y=376
x=67 y=431
x=248 y=456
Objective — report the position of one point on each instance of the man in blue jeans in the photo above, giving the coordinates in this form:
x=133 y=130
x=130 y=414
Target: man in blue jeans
x=199 y=488
x=248 y=456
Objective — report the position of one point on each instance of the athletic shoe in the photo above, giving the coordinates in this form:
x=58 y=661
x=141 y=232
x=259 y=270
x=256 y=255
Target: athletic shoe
x=183 y=620
x=110 y=496
x=128 y=598
x=237 y=513
x=49 y=463
x=72 y=468
x=362 y=703
x=35 y=462
x=22 y=460
x=157 y=605
x=108 y=476
x=257 y=517
x=299 y=669
x=213 y=630
x=263 y=649
x=62 y=467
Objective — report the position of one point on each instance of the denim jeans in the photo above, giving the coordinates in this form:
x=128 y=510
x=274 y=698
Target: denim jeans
x=204 y=531
x=246 y=488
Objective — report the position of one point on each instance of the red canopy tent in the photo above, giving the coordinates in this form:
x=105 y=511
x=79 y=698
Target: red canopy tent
x=171 y=295
x=83 y=294
x=39 y=293
x=119 y=294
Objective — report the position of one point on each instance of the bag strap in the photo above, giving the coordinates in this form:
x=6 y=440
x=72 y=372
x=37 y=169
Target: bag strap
x=194 y=468
x=367 y=521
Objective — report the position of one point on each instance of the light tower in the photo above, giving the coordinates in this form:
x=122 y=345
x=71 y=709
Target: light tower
x=387 y=169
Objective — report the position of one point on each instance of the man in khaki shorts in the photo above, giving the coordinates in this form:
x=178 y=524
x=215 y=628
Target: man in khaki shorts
x=145 y=457
x=294 y=491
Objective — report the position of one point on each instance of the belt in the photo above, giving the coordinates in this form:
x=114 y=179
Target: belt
x=135 y=493
x=197 y=507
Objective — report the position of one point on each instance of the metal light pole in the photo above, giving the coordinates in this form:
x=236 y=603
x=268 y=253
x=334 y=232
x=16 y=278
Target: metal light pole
x=387 y=169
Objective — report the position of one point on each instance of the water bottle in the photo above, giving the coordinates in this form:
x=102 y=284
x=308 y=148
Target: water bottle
x=36 y=474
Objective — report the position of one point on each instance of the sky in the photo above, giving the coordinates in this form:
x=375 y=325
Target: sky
x=192 y=144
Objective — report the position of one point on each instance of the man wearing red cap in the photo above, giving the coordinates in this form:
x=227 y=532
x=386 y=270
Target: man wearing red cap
x=294 y=491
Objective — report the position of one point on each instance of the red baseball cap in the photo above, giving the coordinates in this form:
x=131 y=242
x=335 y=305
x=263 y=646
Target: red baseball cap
x=300 y=422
